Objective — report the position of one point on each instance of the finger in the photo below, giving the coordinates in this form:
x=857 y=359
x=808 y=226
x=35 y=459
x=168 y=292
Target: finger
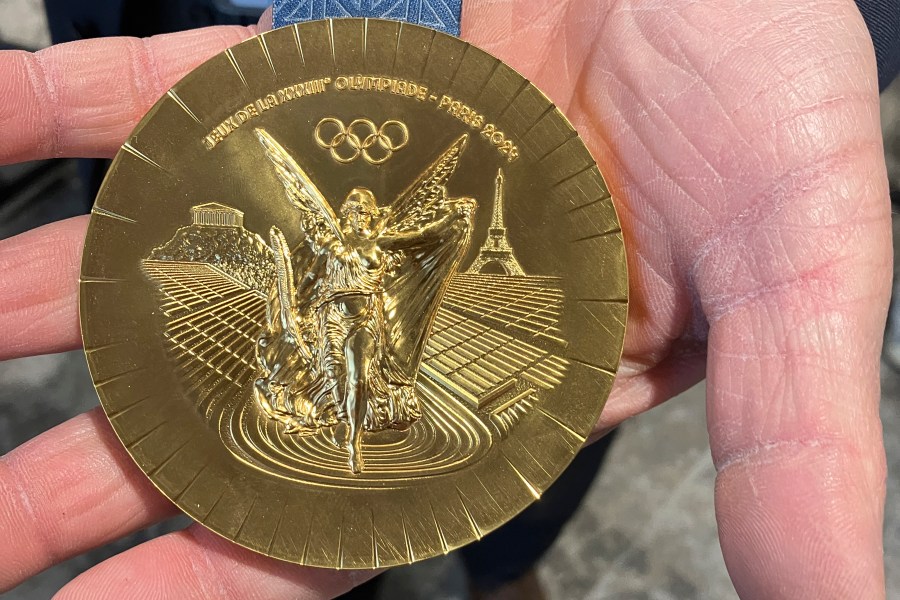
x=39 y=289
x=796 y=438
x=796 y=300
x=83 y=98
x=265 y=20
x=69 y=490
x=198 y=564
x=766 y=199
x=793 y=410
x=640 y=386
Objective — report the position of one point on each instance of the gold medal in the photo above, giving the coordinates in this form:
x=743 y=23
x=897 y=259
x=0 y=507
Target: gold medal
x=353 y=293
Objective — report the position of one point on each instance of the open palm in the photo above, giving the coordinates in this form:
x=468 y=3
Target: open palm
x=741 y=141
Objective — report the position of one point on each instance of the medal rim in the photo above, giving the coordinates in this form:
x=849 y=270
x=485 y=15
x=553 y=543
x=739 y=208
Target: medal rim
x=225 y=526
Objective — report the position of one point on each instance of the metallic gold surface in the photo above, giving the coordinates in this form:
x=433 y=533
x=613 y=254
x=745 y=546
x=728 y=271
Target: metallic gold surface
x=353 y=293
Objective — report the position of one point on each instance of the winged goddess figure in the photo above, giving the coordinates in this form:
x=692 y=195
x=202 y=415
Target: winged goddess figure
x=352 y=306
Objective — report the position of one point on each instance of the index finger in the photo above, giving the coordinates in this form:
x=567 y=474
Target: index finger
x=83 y=98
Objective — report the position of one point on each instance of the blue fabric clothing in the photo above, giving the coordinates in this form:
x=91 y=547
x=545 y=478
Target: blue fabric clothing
x=883 y=20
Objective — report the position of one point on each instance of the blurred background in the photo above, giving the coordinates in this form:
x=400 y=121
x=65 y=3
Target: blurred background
x=646 y=527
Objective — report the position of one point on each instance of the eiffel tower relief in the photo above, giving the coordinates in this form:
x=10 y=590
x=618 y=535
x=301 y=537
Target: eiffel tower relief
x=496 y=255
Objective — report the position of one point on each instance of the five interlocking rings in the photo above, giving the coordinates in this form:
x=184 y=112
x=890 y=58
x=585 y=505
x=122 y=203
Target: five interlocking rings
x=361 y=138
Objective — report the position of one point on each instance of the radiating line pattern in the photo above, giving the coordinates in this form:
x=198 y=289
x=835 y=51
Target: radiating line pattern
x=127 y=147
x=443 y=15
x=177 y=99
x=112 y=215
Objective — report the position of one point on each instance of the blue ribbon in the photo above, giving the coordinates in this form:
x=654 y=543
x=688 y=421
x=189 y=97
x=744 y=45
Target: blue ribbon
x=443 y=15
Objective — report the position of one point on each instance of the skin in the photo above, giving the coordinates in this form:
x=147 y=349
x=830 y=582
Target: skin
x=741 y=140
x=360 y=348
x=360 y=345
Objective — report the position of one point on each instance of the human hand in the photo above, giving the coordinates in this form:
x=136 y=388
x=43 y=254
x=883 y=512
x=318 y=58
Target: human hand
x=741 y=141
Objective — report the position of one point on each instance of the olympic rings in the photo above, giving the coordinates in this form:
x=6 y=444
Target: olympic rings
x=360 y=138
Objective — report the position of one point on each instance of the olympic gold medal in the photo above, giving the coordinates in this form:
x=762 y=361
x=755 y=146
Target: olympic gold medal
x=353 y=293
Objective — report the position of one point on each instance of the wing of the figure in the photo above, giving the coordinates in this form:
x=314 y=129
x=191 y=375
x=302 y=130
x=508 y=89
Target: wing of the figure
x=421 y=202
x=300 y=189
x=284 y=281
x=415 y=288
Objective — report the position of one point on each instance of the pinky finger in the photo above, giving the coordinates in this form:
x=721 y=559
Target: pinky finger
x=198 y=564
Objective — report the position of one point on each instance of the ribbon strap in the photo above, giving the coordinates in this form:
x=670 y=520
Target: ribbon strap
x=443 y=15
